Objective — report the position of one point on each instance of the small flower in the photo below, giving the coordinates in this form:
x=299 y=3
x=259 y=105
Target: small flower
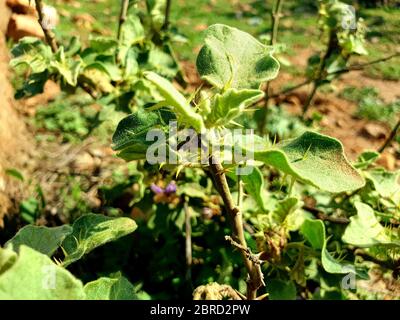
x=156 y=189
x=170 y=188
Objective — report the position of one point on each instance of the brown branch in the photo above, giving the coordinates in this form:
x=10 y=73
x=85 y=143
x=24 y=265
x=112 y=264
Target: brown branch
x=322 y=216
x=49 y=35
x=390 y=137
x=255 y=279
x=122 y=16
x=167 y=15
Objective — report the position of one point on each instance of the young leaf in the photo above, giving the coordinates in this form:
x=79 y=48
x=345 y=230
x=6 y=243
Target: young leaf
x=33 y=276
x=177 y=101
x=42 y=239
x=33 y=53
x=365 y=230
x=385 y=183
x=313 y=158
x=253 y=185
x=91 y=231
x=118 y=288
x=230 y=104
x=233 y=58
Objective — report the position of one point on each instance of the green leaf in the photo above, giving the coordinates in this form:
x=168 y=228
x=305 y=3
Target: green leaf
x=33 y=53
x=233 y=58
x=132 y=32
x=385 y=183
x=314 y=231
x=33 y=276
x=253 y=185
x=312 y=158
x=185 y=113
x=118 y=288
x=281 y=290
x=68 y=68
x=230 y=104
x=365 y=230
x=42 y=239
x=103 y=45
x=130 y=136
x=33 y=85
x=365 y=159
x=162 y=63
x=91 y=231
x=15 y=173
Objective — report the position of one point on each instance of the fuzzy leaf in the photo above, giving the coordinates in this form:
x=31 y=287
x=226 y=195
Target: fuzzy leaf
x=365 y=230
x=91 y=231
x=130 y=137
x=132 y=32
x=385 y=183
x=33 y=53
x=42 y=239
x=230 y=104
x=177 y=101
x=118 y=288
x=233 y=58
x=33 y=276
x=313 y=158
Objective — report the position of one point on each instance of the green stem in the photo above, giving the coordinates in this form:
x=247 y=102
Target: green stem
x=188 y=242
x=309 y=99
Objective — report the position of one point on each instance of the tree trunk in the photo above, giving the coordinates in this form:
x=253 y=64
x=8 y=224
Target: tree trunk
x=15 y=140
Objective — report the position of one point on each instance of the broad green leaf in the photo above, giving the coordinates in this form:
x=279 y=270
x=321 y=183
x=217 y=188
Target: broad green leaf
x=33 y=53
x=233 y=58
x=313 y=158
x=156 y=9
x=103 y=45
x=365 y=230
x=42 y=239
x=281 y=290
x=177 y=101
x=130 y=136
x=385 y=183
x=314 y=231
x=162 y=63
x=132 y=32
x=33 y=276
x=230 y=104
x=91 y=231
x=33 y=85
x=118 y=288
x=97 y=77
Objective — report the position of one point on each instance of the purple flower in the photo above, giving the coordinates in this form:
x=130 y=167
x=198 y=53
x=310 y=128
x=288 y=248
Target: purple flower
x=170 y=188
x=156 y=189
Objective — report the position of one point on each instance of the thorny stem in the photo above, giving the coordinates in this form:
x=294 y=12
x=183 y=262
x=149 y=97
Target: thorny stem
x=275 y=15
x=188 y=242
x=49 y=35
x=122 y=16
x=167 y=15
x=390 y=137
x=255 y=279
